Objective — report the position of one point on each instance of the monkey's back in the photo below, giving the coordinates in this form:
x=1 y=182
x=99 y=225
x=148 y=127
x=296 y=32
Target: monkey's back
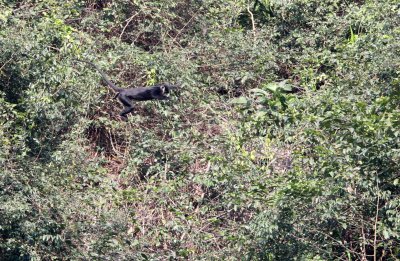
x=139 y=94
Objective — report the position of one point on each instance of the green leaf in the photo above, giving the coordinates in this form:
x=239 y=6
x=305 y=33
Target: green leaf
x=272 y=86
x=240 y=100
x=259 y=91
x=386 y=234
x=276 y=86
x=285 y=86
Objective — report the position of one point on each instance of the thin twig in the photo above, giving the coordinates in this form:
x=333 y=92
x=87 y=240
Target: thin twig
x=127 y=23
x=1 y=68
x=375 y=225
x=363 y=246
x=253 y=24
x=181 y=30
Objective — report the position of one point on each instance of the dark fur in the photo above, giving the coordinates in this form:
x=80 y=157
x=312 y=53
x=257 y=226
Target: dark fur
x=126 y=96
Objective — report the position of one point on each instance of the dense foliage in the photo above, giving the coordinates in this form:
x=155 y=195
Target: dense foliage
x=281 y=144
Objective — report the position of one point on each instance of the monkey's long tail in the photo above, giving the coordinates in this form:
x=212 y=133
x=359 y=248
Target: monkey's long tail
x=111 y=84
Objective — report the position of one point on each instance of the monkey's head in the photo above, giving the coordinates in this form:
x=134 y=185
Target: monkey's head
x=166 y=87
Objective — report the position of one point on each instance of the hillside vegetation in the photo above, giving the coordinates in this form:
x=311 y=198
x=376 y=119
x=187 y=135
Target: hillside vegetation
x=282 y=142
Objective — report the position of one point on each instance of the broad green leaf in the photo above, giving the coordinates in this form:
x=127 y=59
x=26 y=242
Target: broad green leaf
x=240 y=100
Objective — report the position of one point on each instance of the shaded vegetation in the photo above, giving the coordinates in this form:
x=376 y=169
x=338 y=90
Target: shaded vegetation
x=282 y=143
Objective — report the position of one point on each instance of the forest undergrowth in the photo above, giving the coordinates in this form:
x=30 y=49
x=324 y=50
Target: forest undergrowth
x=281 y=143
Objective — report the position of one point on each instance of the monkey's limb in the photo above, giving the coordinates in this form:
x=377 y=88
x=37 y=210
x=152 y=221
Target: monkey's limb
x=128 y=106
x=161 y=97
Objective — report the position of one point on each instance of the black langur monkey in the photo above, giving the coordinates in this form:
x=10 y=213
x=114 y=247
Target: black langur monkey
x=126 y=96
